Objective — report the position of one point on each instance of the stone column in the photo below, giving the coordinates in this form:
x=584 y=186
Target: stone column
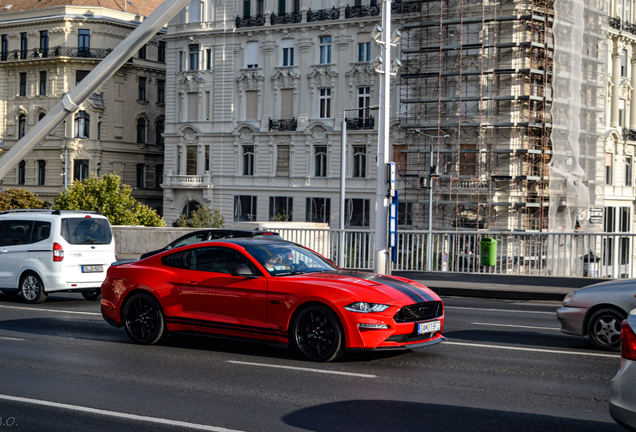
x=616 y=81
x=632 y=106
x=269 y=48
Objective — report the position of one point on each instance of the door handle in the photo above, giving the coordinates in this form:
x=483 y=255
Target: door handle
x=192 y=283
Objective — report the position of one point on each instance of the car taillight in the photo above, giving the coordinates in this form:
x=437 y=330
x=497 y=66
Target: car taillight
x=628 y=342
x=58 y=252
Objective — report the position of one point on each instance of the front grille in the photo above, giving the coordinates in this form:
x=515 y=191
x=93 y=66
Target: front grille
x=419 y=312
x=409 y=338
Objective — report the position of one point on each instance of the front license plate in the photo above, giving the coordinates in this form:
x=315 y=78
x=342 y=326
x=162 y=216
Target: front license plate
x=429 y=327
x=92 y=269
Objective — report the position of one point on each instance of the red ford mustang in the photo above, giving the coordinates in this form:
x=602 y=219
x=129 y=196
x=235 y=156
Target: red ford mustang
x=269 y=290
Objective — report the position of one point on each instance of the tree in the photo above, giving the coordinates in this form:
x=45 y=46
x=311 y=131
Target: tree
x=21 y=199
x=107 y=196
x=203 y=217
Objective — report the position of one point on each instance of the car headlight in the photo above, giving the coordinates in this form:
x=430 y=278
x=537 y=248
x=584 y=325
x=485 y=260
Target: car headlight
x=363 y=307
x=568 y=298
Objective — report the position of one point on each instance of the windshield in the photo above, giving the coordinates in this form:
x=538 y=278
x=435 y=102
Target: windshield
x=289 y=259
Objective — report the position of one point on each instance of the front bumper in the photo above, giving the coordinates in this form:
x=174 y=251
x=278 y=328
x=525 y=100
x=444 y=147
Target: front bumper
x=572 y=320
x=623 y=395
x=433 y=341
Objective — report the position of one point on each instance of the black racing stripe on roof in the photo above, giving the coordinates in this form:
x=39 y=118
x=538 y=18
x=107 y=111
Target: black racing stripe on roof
x=412 y=292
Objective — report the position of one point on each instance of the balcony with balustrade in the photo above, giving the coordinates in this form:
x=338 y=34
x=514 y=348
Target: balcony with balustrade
x=323 y=15
x=362 y=11
x=360 y=123
x=283 y=125
x=285 y=18
x=58 y=51
x=250 y=21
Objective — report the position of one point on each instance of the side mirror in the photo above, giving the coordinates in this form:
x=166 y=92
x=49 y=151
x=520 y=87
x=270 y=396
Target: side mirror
x=243 y=271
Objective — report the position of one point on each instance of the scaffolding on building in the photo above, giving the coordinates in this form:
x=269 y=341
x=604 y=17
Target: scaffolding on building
x=476 y=95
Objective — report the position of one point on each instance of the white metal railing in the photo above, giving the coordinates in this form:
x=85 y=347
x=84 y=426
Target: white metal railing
x=546 y=254
x=187 y=179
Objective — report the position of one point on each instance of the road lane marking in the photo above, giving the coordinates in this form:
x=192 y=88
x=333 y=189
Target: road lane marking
x=117 y=414
x=10 y=338
x=447 y=342
x=50 y=310
x=499 y=310
x=303 y=369
x=517 y=326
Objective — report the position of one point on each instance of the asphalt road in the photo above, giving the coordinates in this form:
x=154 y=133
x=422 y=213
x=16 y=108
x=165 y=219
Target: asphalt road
x=505 y=367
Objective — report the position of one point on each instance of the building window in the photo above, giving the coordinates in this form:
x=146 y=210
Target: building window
x=42 y=83
x=180 y=61
x=44 y=43
x=194 y=57
x=609 y=165
x=5 y=47
x=84 y=43
x=357 y=212
x=208 y=59
x=41 y=116
x=22 y=172
x=260 y=7
x=80 y=75
x=244 y=208
x=288 y=52
x=80 y=169
x=161 y=54
x=282 y=161
x=41 y=172
x=621 y=112
x=141 y=172
x=21 y=126
x=142 y=52
x=325 y=103
x=141 y=131
x=194 y=11
x=159 y=133
x=248 y=160
x=325 y=49
x=624 y=63
x=82 y=125
x=99 y=130
x=142 y=89
x=281 y=209
x=318 y=210
x=364 y=97
x=247 y=8
x=158 y=176
x=405 y=213
x=281 y=7
x=364 y=47
x=189 y=208
x=23 y=83
x=251 y=55
x=24 y=45
x=628 y=171
x=296 y=6
x=251 y=105
x=359 y=161
x=321 y=161
x=161 y=91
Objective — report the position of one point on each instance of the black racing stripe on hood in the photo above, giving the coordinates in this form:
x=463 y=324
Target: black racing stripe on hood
x=415 y=294
x=422 y=293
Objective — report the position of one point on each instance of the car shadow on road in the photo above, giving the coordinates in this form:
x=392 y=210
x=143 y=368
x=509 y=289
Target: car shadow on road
x=69 y=328
x=521 y=337
x=391 y=416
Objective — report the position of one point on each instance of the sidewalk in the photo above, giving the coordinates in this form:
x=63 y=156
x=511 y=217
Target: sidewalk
x=507 y=287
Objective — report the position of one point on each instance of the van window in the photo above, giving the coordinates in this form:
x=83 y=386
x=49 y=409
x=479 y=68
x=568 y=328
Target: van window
x=86 y=231
x=41 y=231
x=15 y=232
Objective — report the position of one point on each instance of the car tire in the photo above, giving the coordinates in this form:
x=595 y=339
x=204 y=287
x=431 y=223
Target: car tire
x=317 y=334
x=604 y=329
x=32 y=288
x=92 y=295
x=143 y=319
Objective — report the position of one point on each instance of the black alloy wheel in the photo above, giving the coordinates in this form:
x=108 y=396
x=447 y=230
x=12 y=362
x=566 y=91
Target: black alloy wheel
x=604 y=329
x=92 y=295
x=32 y=288
x=143 y=319
x=317 y=334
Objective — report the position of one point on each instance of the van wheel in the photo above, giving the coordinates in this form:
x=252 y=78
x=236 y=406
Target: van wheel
x=32 y=289
x=92 y=295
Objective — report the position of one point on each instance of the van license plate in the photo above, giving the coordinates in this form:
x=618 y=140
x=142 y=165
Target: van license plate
x=429 y=327
x=92 y=269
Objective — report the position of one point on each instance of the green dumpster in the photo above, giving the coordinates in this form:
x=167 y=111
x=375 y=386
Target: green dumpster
x=488 y=253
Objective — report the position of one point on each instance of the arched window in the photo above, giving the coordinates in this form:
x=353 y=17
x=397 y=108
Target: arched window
x=190 y=207
x=159 y=131
x=141 y=131
x=21 y=126
x=41 y=116
x=82 y=124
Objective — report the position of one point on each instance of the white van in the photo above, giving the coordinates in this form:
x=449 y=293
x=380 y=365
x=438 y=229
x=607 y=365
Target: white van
x=43 y=251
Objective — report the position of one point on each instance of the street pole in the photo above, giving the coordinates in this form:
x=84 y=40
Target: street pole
x=343 y=166
x=429 y=236
x=381 y=260
x=65 y=163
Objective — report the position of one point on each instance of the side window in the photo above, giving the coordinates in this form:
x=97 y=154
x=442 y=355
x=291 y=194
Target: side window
x=178 y=260
x=15 y=232
x=219 y=260
x=41 y=231
x=194 y=238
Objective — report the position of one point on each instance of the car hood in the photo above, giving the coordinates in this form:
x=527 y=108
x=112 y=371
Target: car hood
x=615 y=292
x=373 y=287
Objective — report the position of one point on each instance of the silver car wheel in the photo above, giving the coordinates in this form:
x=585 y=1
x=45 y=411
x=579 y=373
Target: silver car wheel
x=604 y=329
x=30 y=288
x=608 y=330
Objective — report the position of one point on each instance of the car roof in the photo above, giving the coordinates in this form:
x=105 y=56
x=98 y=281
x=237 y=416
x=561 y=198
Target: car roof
x=246 y=242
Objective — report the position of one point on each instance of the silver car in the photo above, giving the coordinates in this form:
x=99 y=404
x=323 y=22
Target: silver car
x=597 y=311
x=623 y=386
